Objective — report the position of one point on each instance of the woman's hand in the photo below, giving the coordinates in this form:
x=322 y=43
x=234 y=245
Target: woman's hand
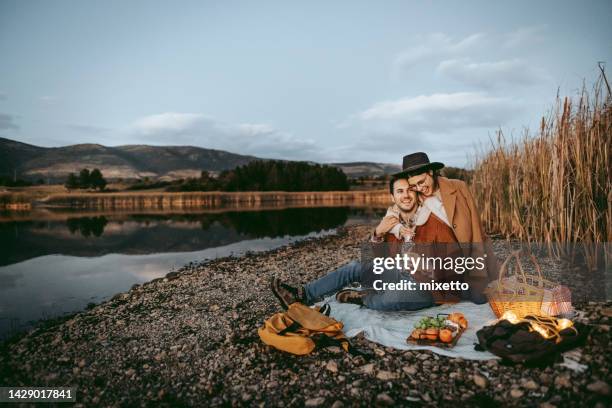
x=385 y=225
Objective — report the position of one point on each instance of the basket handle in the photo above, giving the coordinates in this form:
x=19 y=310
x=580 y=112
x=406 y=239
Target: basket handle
x=535 y=263
x=502 y=269
x=504 y=266
x=538 y=269
x=516 y=254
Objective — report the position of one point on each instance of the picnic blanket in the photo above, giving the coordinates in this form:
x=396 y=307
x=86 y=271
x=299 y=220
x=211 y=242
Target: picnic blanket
x=392 y=328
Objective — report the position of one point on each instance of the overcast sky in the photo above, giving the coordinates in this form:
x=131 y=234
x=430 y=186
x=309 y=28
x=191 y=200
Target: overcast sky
x=313 y=80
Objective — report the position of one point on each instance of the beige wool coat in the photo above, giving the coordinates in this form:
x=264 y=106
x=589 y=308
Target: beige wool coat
x=461 y=210
x=464 y=218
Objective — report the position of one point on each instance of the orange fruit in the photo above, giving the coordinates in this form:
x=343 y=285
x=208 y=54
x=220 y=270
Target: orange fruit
x=446 y=335
x=431 y=334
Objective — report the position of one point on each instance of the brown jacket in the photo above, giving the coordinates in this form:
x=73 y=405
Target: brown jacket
x=436 y=239
x=464 y=218
x=461 y=210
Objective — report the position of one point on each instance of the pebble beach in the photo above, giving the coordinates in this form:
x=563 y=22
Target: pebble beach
x=190 y=339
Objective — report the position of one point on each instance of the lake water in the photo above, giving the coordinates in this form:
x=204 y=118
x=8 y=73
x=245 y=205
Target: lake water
x=52 y=267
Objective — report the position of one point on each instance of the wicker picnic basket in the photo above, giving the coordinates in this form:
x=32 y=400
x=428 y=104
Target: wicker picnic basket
x=520 y=292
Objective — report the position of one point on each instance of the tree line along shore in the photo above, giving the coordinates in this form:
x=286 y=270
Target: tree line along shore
x=156 y=200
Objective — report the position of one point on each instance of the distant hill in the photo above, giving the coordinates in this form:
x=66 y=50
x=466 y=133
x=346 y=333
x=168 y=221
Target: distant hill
x=14 y=154
x=126 y=162
x=360 y=169
x=30 y=162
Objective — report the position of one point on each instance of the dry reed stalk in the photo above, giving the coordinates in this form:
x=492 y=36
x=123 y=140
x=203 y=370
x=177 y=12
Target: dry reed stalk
x=556 y=186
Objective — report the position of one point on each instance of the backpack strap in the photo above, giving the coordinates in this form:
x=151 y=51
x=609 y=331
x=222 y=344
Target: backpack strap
x=325 y=309
x=322 y=341
x=295 y=326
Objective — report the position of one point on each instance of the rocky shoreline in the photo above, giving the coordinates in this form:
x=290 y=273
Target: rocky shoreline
x=191 y=339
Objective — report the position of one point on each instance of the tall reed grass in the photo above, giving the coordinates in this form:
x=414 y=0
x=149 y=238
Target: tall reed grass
x=553 y=186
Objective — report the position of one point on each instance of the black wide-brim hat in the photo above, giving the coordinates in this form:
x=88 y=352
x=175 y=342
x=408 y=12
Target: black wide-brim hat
x=417 y=163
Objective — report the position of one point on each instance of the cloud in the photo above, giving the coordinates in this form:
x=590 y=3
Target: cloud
x=447 y=124
x=3 y=96
x=168 y=123
x=492 y=69
x=440 y=46
x=524 y=36
x=7 y=122
x=442 y=111
x=258 y=139
x=433 y=46
x=492 y=74
x=451 y=148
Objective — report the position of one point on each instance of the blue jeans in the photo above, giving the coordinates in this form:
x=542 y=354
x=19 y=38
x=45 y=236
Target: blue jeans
x=390 y=300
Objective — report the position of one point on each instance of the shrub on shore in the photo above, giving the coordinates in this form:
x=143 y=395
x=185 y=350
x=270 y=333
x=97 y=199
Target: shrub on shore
x=86 y=179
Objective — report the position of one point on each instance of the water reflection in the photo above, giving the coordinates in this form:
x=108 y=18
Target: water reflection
x=154 y=233
x=87 y=226
x=58 y=266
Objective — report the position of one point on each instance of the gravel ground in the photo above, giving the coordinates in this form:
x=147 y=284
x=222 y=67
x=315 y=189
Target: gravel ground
x=191 y=339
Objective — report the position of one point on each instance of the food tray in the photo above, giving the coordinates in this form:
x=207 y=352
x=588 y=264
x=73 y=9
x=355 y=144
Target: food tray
x=436 y=343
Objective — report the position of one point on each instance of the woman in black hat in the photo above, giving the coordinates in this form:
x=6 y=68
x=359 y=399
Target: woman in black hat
x=452 y=218
x=422 y=174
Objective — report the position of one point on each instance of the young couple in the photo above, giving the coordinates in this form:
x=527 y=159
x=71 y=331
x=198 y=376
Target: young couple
x=437 y=214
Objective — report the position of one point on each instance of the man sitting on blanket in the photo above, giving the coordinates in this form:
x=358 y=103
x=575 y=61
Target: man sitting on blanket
x=431 y=231
x=394 y=227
